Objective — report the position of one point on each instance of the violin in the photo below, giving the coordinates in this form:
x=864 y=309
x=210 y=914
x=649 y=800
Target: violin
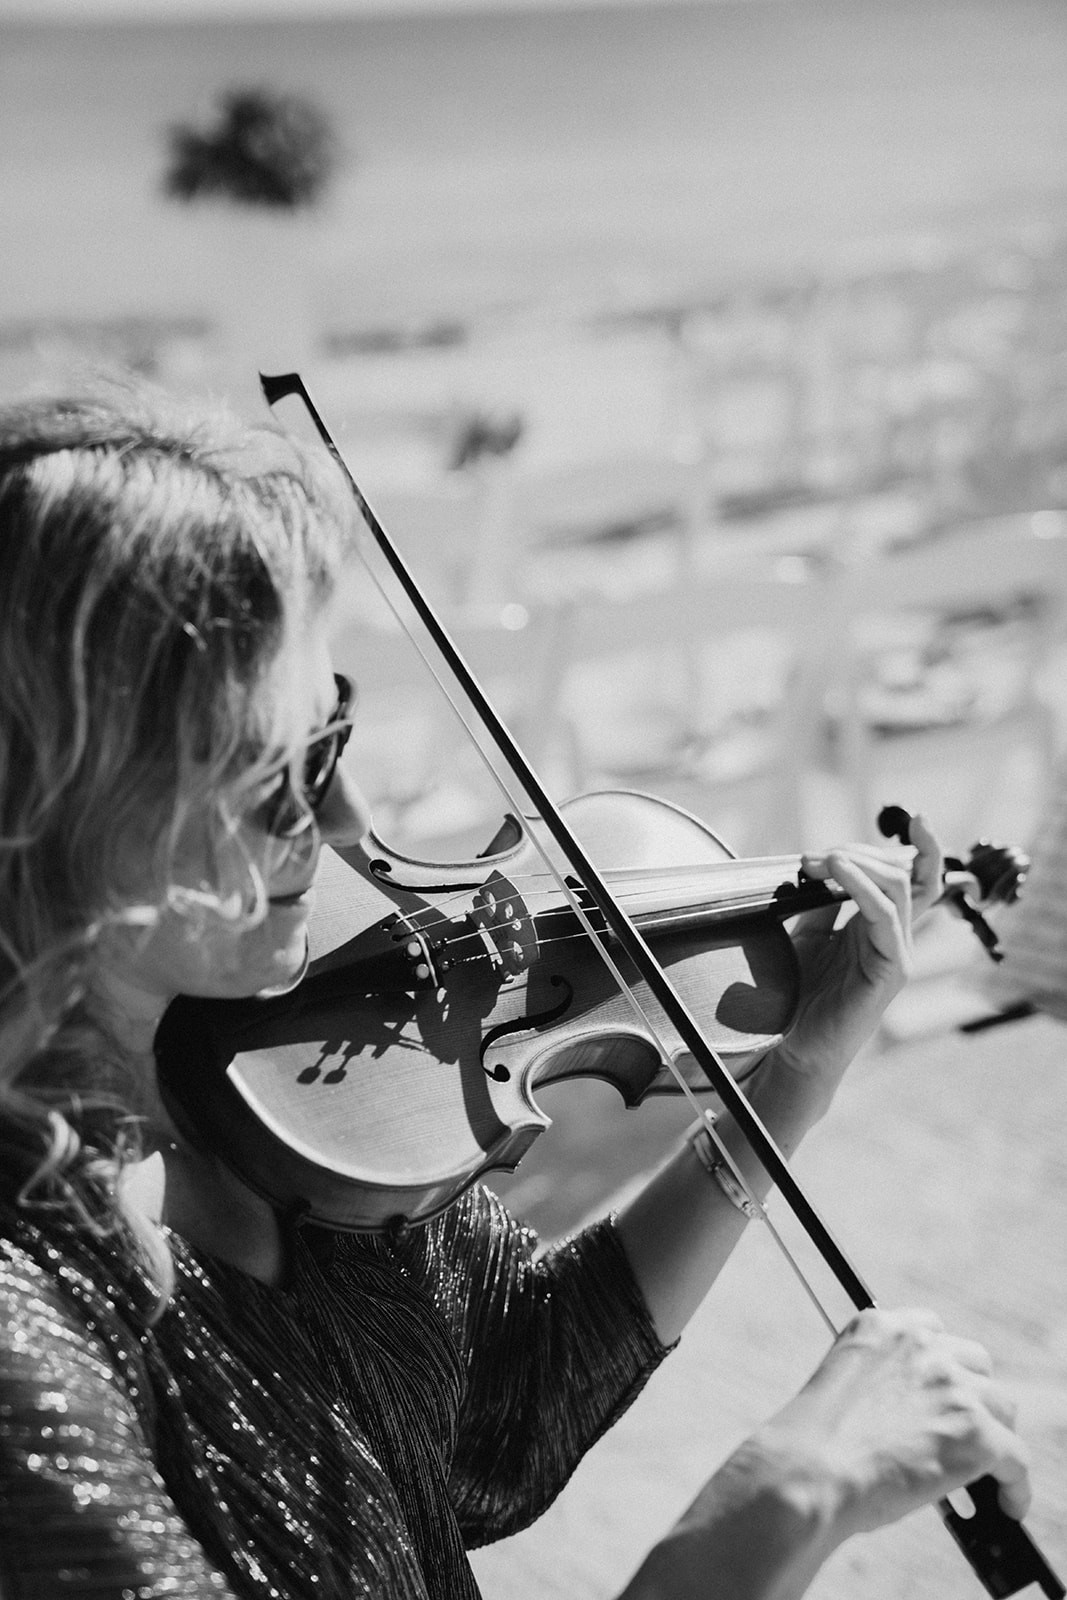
x=437 y=1000
x=441 y=996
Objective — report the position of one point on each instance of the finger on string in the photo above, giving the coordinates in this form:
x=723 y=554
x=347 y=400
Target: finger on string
x=893 y=880
x=883 y=903
x=818 y=863
x=876 y=857
x=862 y=850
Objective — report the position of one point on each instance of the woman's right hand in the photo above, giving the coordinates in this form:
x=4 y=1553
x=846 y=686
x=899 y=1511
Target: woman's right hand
x=899 y=1414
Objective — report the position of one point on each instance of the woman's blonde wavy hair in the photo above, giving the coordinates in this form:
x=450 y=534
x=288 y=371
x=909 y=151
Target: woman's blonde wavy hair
x=153 y=563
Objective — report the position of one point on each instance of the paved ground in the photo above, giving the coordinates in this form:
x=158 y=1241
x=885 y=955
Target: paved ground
x=943 y=1170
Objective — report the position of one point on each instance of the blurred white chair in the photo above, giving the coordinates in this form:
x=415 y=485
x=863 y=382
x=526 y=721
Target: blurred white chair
x=409 y=749
x=620 y=522
x=943 y=684
x=455 y=534
x=705 y=693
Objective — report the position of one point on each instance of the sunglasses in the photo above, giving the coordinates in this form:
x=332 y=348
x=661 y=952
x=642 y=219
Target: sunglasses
x=290 y=809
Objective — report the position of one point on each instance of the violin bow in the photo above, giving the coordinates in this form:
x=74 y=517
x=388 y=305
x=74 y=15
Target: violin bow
x=1000 y=1550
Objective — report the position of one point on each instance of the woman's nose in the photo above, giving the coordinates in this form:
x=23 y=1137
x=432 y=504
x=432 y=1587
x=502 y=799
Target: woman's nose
x=343 y=814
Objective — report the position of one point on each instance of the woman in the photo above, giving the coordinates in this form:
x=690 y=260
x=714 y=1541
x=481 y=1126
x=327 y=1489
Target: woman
x=194 y=1400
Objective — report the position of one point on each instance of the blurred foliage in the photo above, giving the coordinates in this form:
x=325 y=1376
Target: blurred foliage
x=263 y=149
x=480 y=435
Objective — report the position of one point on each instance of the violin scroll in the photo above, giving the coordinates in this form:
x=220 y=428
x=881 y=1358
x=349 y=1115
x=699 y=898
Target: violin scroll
x=996 y=871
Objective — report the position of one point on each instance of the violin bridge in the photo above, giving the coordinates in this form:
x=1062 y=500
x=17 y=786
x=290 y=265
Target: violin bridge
x=500 y=918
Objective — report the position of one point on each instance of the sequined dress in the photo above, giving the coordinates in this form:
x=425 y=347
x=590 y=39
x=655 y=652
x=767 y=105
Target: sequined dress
x=351 y=1434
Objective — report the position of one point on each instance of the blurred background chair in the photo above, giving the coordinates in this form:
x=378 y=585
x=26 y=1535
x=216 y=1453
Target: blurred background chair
x=427 y=784
x=948 y=693
x=611 y=525
x=705 y=692
x=455 y=533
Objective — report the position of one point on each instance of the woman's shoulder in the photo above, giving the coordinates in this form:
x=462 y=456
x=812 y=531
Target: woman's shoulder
x=23 y=1278
x=38 y=1276
x=71 y=1365
x=473 y=1245
x=477 y=1220
x=60 y=1296
x=46 y=1309
x=475 y=1226
x=33 y=1267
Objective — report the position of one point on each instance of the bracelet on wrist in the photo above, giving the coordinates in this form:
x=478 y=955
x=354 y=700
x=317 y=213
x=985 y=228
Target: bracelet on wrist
x=703 y=1146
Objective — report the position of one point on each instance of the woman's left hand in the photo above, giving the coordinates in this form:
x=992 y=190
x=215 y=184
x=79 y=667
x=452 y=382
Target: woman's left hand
x=850 y=973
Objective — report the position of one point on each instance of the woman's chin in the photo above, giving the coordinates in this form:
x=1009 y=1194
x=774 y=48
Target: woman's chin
x=289 y=968
x=266 y=960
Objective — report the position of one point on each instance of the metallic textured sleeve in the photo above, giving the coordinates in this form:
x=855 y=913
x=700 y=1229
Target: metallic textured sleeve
x=82 y=1508
x=555 y=1347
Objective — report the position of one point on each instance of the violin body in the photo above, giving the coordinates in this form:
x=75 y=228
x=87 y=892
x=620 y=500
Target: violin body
x=439 y=998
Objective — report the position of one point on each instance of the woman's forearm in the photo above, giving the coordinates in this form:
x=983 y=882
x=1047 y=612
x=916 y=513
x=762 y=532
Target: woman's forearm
x=679 y=1230
x=755 y=1532
x=898 y=1415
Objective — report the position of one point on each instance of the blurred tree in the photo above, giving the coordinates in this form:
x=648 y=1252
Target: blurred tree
x=264 y=149
x=265 y=159
x=480 y=435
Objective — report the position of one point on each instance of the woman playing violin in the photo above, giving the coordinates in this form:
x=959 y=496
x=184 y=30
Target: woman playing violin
x=196 y=1399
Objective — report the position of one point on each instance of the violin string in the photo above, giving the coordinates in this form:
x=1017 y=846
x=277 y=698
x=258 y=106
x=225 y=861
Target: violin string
x=659 y=878
x=758 y=901
x=789 y=865
x=663 y=879
x=665 y=921
x=684 y=874
x=664 y=924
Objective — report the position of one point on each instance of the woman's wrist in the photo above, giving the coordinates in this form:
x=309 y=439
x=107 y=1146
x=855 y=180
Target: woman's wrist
x=788 y=1102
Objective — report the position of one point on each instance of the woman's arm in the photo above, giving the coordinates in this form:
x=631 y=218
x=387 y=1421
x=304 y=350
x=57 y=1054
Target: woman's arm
x=554 y=1346
x=898 y=1415
x=753 y=1533
x=680 y=1228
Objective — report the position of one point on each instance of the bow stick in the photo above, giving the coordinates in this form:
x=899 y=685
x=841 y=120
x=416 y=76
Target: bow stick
x=999 y=1549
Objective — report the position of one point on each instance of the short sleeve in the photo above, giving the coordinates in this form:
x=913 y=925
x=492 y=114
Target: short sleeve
x=82 y=1508
x=555 y=1347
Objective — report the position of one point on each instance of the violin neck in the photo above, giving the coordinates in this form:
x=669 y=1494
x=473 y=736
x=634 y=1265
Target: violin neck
x=722 y=893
